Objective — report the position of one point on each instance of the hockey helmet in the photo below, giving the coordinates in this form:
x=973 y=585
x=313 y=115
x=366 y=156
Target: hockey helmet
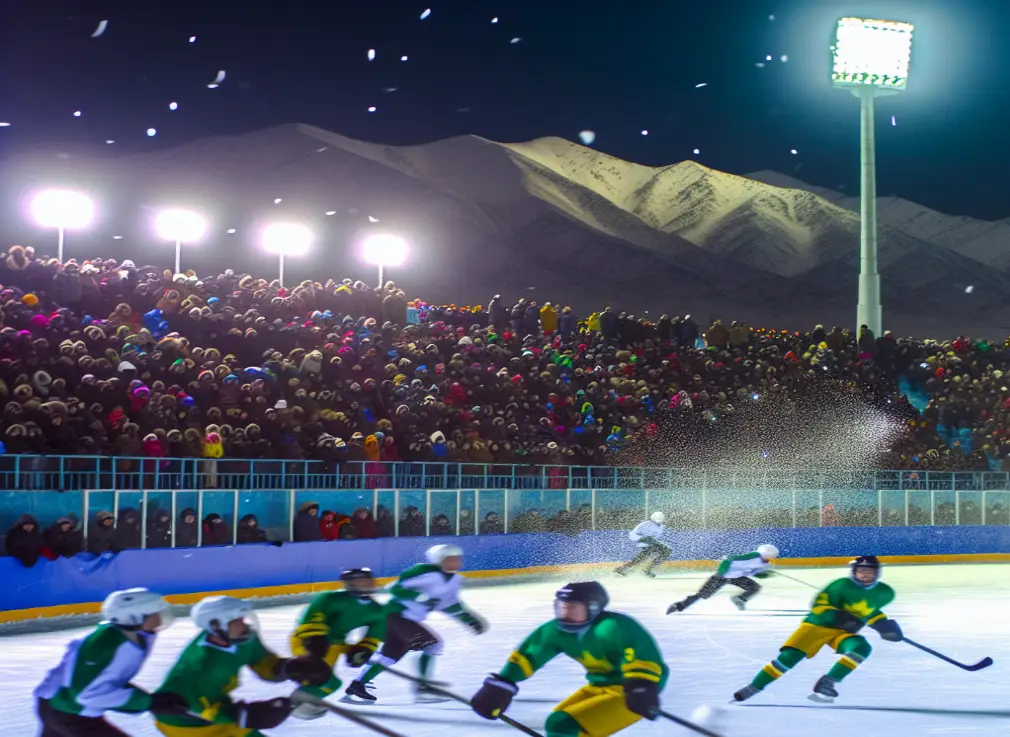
x=359 y=581
x=768 y=552
x=215 y=614
x=590 y=593
x=129 y=608
x=865 y=563
x=657 y=517
x=438 y=554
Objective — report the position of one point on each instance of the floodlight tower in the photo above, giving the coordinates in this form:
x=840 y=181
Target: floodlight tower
x=180 y=226
x=286 y=239
x=62 y=209
x=871 y=59
x=384 y=249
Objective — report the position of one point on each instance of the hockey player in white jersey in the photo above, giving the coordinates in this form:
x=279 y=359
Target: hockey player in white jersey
x=427 y=587
x=738 y=570
x=648 y=535
x=95 y=673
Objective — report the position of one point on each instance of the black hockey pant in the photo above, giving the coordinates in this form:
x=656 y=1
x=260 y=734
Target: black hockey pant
x=403 y=636
x=655 y=553
x=61 y=724
x=712 y=585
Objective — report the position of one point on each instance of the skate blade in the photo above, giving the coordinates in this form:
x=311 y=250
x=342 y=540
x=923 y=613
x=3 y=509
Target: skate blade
x=819 y=699
x=356 y=701
x=431 y=700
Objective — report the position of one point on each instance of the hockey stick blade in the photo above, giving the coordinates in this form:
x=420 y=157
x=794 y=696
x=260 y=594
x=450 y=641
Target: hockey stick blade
x=686 y=724
x=983 y=663
x=463 y=700
x=302 y=698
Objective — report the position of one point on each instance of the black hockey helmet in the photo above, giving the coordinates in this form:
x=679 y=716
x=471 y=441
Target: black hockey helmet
x=590 y=593
x=363 y=576
x=865 y=562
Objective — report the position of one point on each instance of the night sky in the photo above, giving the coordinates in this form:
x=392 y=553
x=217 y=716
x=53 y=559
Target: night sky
x=616 y=68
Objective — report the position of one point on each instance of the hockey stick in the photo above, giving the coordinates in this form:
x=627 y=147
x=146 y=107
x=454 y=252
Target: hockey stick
x=463 y=700
x=797 y=580
x=303 y=698
x=983 y=663
x=686 y=724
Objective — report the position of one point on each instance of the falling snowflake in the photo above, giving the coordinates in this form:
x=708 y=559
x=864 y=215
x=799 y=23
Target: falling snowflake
x=587 y=137
x=219 y=78
x=102 y=25
x=760 y=65
x=771 y=18
x=77 y=113
x=117 y=237
x=152 y=132
x=331 y=212
x=793 y=152
x=371 y=109
x=192 y=39
x=645 y=132
x=700 y=85
x=426 y=13
x=173 y=106
x=784 y=58
x=371 y=54
x=894 y=121
x=697 y=151
x=390 y=89
x=231 y=231
x=768 y=58
x=515 y=40
x=109 y=140
x=4 y=124
x=278 y=201
x=969 y=289
x=495 y=19
x=403 y=58
x=372 y=220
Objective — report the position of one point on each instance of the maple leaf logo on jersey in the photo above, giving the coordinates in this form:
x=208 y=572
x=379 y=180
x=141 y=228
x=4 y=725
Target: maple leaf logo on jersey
x=592 y=665
x=860 y=609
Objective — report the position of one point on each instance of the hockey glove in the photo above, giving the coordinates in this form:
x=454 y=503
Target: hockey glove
x=166 y=702
x=316 y=646
x=263 y=714
x=889 y=630
x=641 y=697
x=474 y=623
x=358 y=656
x=493 y=697
x=306 y=670
x=848 y=622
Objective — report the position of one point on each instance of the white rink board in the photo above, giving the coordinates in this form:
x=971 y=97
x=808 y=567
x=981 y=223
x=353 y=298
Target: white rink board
x=712 y=650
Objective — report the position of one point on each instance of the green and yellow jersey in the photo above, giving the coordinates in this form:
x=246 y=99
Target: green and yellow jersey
x=854 y=601
x=335 y=614
x=614 y=648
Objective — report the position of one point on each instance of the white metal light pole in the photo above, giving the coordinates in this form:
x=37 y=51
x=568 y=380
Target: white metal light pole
x=384 y=249
x=871 y=59
x=180 y=226
x=286 y=239
x=62 y=209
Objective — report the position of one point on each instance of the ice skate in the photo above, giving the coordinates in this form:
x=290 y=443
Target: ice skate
x=740 y=602
x=746 y=692
x=621 y=571
x=307 y=712
x=650 y=574
x=358 y=693
x=425 y=693
x=824 y=691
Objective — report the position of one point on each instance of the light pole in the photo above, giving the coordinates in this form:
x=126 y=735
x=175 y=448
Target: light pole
x=286 y=239
x=181 y=226
x=62 y=209
x=871 y=59
x=384 y=249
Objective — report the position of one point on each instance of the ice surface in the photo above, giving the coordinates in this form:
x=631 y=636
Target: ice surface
x=712 y=650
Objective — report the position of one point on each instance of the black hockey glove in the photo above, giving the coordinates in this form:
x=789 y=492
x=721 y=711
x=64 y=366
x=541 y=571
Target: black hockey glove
x=358 y=656
x=848 y=622
x=648 y=540
x=306 y=670
x=263 y=714
x=889 y=630
x=493 y=697
x=763 y=574
x=642 y=697
x=166 y=702
x=316 y=646
x=474 y=623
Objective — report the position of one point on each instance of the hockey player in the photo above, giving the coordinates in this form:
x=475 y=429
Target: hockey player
x=208 y=670
x=737 y=570
x=839 y=612
x=422 y=589
x=624 y=667
x=323 y=629
x=94 y=675
x=647 y=534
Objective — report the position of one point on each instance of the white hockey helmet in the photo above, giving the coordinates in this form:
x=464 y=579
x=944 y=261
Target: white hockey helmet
x=215 y=613
x=768 y=552
x=657 y=517
x=129 y=608
x=437 y=554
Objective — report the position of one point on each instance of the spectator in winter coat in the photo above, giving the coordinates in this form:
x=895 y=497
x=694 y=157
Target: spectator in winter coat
x=128 y=529
x=215 y=531
x=307 y=523
x=385 y=524
x=566 y=323
x=102 y=534
x=330 y=524
x=159 y=529
x=24 y=541
x=186 y=529
x=412 y=524
x=491 y=525
x=364 y=525
x=249 y=531
x=548 y=319
x=63 y=539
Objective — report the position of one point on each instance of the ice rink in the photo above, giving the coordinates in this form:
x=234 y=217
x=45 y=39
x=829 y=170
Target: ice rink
x=712 y=650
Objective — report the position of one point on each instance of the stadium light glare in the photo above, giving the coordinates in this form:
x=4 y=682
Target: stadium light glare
x=385 y=249
x=180 y=226
x=871 y=58
x=286 y=239
x=63 y=209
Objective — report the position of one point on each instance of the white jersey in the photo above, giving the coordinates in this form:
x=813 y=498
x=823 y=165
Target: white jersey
x=646 y=529
x=739 y=566
x=425 y=588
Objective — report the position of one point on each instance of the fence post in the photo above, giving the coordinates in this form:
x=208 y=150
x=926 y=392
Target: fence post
x=592 y=509
x=476 y=511
x=396 y=513
x=427 y=512
x=983 y=507
x=820 y=507
x=291 y=515
x=375 y=503
x=646 y=503
x=144 y=512
x=568 y=499
x=957 y=508
x=86 y=512
x=794 y=508
x=880 y=508
x=175 y=515
x=234 y=519
x=906 y=507
x=459 y=504
x=932 y=508
x=505 y=516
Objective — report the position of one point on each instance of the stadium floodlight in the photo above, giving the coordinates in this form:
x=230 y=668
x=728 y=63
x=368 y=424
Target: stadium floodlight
x=62 y=209
x=286 y=239
x=180 y=226
x=870 y=58
x=385 y=249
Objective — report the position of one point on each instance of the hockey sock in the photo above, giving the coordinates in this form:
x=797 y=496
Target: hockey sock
x=372 y=672
x=852 y=656
x=562 y=724
x=786 y=660
x=424 y=665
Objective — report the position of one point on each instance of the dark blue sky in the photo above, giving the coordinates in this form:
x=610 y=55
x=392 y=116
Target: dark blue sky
x=614 y=67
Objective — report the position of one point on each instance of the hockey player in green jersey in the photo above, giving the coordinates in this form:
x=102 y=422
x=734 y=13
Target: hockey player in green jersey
x=838 y=613
x=422 y=589
x=207 y=672
x=624 y=667
x=737 y=570
x=94 y=675
x=323 y=629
